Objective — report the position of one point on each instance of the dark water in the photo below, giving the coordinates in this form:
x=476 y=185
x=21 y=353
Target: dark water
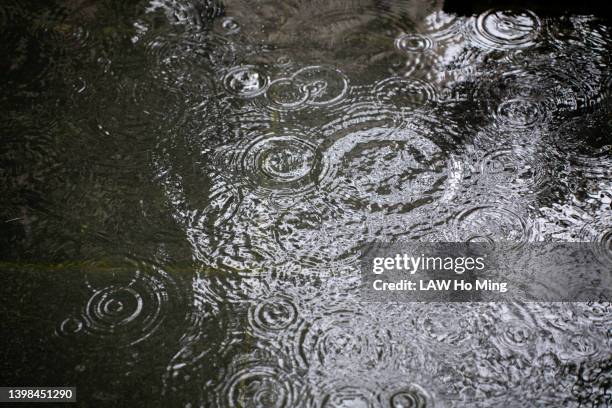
x=186 y=186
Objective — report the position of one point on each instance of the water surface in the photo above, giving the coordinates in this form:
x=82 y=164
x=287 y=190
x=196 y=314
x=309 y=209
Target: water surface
x=186 y=187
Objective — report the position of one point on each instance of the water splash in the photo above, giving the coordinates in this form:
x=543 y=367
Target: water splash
x=245 y=81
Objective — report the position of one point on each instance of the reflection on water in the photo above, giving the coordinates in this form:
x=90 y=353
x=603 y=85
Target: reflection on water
x=186 y=186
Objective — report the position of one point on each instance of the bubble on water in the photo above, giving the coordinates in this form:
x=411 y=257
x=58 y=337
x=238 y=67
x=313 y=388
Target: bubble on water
x=414 y=43
x=325 y=85
x=505 y=29
x=230 y=25
x=405 y=93
x=245 y=81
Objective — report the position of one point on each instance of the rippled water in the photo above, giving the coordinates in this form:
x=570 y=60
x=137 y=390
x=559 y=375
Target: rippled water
x=187 y=185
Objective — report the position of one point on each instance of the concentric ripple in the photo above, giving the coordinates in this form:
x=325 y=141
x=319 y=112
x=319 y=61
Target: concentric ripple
x=520 y=112
x=257 y=148
x=277 y=163
x=286 y=94
x=221 y=205
x=407 y=396
x=600 y=233
x=70 y=326
x=346 y=339
x=405 y=93
x=258 y=384
x=245 y=81
x=518 y=99
x=413 y=43
x=524 y=98
x=444 y=324
x=515 y=334
x=274 y=314
x=505 y=30
x=389 y=168
x=349 y=396
x=490 y=223
x=515 y=169
x=325 y=85
x=131 y=313
x=585 y=345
